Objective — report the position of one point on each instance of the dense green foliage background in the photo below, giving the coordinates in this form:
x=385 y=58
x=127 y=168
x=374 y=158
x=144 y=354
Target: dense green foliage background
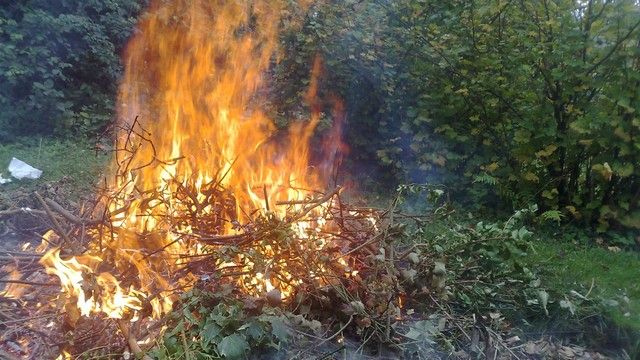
x=507 y=103
x=59 y=64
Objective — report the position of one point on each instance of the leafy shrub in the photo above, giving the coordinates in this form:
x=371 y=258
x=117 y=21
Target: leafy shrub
x=212 y=326
x=507 y=104
x=59 y=64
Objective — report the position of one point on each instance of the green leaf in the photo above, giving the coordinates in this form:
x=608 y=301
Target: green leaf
x=543 y=297
x=210 y=333
x=233 y=346
x=623 y=171
x=254 y=329
x=278 y=328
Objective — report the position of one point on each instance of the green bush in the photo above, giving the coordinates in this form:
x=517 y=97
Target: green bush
x=535 y=102
x=506 y=103
x=59 y=64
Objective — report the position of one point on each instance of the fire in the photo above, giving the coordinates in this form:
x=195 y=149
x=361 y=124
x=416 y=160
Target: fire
x=197 y=157
x=16 y=290
x=64 y=356
x=73 y=274
x=13 y=290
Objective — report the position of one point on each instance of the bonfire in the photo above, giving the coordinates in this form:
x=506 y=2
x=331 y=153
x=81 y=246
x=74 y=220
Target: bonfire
x=205 y=192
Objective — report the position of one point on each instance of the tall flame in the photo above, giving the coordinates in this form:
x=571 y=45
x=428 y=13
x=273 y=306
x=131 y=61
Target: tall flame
x=192 y=75
x=194 y=71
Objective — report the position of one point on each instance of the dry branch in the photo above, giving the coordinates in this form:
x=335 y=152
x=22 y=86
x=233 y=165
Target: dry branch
x=125 y=328
x=70 y=216
x=54 y=221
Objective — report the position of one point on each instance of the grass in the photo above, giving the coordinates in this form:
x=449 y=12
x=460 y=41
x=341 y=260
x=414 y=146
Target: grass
x=71 y=161
x=571 y=266
x=611 y=280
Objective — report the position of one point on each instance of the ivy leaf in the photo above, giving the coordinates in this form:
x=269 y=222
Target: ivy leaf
x=189 y=316
x=423 y=330
x=233 y=346
x=278 y=328
x=254 y=329
x=209 y=333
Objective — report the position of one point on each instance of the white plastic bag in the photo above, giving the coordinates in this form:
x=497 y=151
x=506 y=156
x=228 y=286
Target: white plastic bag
x=21 y=170
x=3 y=180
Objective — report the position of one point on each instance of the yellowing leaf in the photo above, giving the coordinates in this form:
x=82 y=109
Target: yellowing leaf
x=624 y=170
x=550 y=194
x=529 y=176
x=604 y=170
x=439 y=160
x=619 y=132
x=547 y=151
x=574 y=212
x=463 y=91
x=522 y=136
x=491 y=167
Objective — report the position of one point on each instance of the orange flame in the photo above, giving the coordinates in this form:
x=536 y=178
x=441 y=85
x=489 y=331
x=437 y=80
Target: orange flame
x=13 y=290
x=193 y=75
x=105 y=294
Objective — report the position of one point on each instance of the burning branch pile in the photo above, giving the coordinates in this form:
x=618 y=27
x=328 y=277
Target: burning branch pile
x=279 y=249
x=314 y=251
x=204 y=192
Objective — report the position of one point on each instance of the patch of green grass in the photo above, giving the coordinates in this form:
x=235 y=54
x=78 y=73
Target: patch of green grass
x=600 y=286
x=614 y=275
x=73 y=161
x=611 y=282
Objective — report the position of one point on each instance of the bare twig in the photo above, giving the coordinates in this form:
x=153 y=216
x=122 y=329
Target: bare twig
x=69 y=216
x=31 y=283
x=131 y=340
x=58 y=228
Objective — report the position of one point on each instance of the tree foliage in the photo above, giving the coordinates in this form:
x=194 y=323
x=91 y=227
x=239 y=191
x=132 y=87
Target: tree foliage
x=59 y=63
x=507 y=102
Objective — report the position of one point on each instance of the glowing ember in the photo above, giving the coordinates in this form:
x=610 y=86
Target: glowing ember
x=13 y=290
x=200 y=161
x=64 y=356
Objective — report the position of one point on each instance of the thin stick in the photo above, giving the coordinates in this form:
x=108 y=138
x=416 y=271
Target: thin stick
x=266 y=197
x=131 y=340
x=26 y=283
x=326 y=356
x=23 y=210
x=54 y=221
x=69 y=216
x=320 y=201
x=330 y=337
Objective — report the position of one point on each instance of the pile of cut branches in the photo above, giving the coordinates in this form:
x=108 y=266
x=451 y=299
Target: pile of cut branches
x=322 y=255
